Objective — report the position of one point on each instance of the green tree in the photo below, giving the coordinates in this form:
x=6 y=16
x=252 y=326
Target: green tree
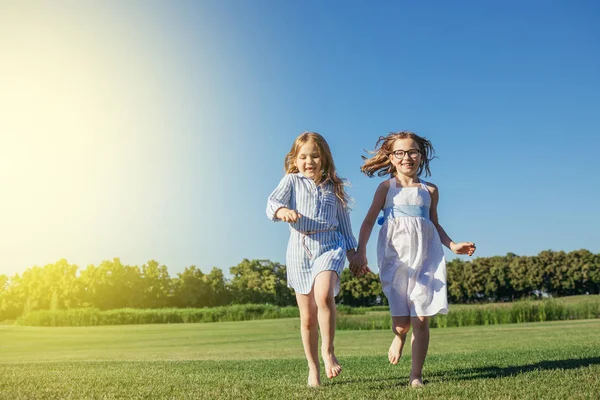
x=557 y=272
x=111 y=285
x=260 y=281
x=455 y=276
x=474 y=275
x=12 y=300
x=53 y=286
x=594 y=275
x=4 y=297
x=32 y=289
x=497 y=286
x=581 y=269
x=191 y=290
x=221 y=294
x=155 y=285
x=3 y=283
x=60 y=280
x=360 y=292
x=520 y=277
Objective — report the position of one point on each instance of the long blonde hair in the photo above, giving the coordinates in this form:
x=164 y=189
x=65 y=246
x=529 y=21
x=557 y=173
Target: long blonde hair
x=328 y=172
x=380 y=162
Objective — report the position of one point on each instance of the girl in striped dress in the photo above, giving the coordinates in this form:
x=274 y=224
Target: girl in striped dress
x=410 y=256
x=312 y=199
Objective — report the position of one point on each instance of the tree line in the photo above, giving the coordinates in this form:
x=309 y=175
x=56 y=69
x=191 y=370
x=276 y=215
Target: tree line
x=112 y=285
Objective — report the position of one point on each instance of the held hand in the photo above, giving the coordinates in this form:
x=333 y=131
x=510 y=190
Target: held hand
x=359 y=271
x=463 y=248
x=359 y=264
x=359 y=259
x=287 y=215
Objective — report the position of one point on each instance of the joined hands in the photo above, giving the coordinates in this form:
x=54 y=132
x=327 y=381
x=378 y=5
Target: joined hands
x=359 y=265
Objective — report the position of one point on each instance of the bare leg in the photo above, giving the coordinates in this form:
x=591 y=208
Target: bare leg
x=400 y=326
x=310 y=335
x=420 y=344
x=324 y=288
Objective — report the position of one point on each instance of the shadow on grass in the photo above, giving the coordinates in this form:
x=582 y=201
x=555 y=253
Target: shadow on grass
x=376 y=384
x=462 y=374
x=513 y=370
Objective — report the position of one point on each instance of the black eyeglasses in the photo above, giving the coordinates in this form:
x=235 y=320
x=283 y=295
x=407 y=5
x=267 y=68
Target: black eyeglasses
x=412 y=153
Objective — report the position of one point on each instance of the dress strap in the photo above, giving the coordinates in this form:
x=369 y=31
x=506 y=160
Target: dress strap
x=393 y=183
x=423 y=184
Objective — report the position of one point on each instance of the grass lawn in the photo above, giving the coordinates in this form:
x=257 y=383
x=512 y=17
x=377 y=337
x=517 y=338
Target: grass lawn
x=264 y=359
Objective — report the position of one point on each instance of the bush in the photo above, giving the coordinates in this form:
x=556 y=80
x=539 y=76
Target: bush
x=349 y=318
x=492 y=314
x=130 y=316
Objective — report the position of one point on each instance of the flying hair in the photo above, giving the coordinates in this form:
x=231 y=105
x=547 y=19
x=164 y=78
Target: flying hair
x=380 y=161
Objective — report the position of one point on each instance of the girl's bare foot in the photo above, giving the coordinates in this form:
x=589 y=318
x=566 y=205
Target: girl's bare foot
x=395 y=351
x=314 y=380
x=332 y=366
x=416 y=382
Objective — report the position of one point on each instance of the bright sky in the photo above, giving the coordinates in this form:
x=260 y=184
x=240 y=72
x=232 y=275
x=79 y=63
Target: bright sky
x=156 y=130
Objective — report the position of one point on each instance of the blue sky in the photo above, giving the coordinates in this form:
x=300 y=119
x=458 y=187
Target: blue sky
x=156 y=130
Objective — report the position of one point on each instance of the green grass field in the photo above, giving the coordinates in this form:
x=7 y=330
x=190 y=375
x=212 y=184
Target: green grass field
x=264 y=359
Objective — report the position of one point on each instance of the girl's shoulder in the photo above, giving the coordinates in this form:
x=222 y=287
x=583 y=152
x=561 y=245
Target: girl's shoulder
x=428 y=184
x=431 y=188
x=383 y=187
x=290 y=177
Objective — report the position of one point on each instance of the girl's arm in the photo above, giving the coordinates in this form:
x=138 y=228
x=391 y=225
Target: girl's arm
x=278 y=203
x=360 y=258
x=343 y=217
x=458 y=248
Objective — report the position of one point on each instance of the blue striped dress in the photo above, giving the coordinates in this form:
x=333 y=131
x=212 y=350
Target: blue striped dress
x=320 y=238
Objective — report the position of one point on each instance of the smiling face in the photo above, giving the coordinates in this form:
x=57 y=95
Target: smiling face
x=309 y=162
x=408 y=164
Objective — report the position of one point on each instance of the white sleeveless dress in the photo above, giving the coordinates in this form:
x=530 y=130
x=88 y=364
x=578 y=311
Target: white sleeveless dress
x=410 y=256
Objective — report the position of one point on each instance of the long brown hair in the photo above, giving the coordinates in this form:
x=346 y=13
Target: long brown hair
x=380 y=162
x=328 y=172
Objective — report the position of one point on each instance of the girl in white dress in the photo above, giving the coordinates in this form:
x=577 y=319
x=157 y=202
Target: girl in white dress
x=410 y=256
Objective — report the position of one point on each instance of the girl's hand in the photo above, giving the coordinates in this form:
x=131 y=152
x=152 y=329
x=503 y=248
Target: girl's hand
x=359 y=265
x=349 y=254
x=359 y=271
x=287 y=215
x=463 y=248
